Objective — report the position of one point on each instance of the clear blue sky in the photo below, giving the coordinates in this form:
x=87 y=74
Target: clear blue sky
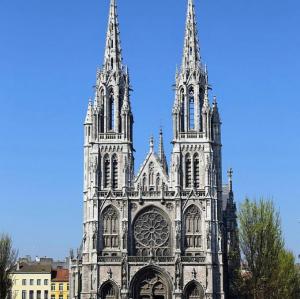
x=49 y=51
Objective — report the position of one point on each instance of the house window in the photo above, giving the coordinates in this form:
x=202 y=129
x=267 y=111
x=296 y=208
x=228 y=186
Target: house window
x=31 y=282
x=45 y=282
x=38 y=282
x=53 y=287
x=30 y=294
x=61 y=287
x=23 y=282
x=38 y=295
x=46 y=295
x=23 y=294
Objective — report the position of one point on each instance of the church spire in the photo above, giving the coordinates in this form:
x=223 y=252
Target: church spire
x=191 y=52
x=113 y=51
x=161 y=151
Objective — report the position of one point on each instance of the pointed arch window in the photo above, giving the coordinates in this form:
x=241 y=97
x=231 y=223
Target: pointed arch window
x=192 y=223
x=188 y=171
x=111 y=112
x=111 y=63
x=101 y=114
x=110 y=234
x=191 y=109
x=182 y=110
x=106 y=172
x=196 y=171
x=115 y=172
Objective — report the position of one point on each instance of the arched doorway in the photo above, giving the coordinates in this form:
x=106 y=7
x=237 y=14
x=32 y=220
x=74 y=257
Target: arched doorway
x=193 y=290
x=109 y=290
x=151 y=283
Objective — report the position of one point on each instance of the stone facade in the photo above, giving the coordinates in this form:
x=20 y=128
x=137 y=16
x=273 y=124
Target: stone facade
x=161 y=233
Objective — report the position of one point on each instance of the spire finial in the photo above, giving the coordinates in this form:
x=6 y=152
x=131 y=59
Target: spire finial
x=191 y=51
x=230 y=175
x=161 y=151
x=113 y=55
x=151 y=144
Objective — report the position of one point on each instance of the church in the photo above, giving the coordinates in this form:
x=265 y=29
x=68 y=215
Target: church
x=166 y=231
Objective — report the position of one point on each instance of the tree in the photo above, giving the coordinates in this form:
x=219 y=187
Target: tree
x=261 y=244
x=288 y=276
x=270 y=271
x=8 y=258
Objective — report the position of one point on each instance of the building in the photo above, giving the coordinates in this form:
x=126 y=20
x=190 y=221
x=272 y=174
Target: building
x=60 y=283
x=162 y=233
x=31 y=280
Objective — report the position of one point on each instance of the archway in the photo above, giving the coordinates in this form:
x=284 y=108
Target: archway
x=151 y=282
x=193 y=290
x=109 y=290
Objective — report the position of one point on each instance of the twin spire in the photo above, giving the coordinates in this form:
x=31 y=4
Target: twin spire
x=113 y=51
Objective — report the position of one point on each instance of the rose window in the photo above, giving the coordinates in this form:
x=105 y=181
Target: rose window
x=151 y=230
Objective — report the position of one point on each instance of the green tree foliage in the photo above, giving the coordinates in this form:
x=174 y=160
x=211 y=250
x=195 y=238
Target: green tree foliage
x=270 y=269
x=8 y=257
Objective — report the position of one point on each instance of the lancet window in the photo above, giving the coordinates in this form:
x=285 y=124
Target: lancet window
x=192 y=222
x=106 y=172
x=110 y=234
x=182 y=108
x=191 y=110
x=188 y=171
x=196 y=171
x=111 y=112
x=114 y=172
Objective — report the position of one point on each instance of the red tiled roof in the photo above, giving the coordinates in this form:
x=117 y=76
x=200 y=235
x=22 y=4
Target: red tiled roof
x=60 y=275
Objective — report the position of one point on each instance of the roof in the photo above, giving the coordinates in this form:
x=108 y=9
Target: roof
x=60 y=275
x=32 y=268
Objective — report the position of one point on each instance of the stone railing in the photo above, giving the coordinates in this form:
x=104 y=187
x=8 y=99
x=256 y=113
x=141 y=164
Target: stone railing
x=192 y=259
x=109 y=136
x=109 y=259
x=152 y=194
x=192 y=135
x=149 y=259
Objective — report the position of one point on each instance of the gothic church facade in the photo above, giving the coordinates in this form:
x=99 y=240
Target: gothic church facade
x=162 y=233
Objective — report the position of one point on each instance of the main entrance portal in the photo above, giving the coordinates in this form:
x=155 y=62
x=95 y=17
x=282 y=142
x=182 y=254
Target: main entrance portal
x=151 y=283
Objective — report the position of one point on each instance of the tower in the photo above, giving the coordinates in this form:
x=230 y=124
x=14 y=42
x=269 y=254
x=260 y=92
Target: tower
x=157 y=234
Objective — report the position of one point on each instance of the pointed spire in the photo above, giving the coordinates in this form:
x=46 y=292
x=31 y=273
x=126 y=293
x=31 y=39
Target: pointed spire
x=191 y=52
x=161 y=151
x=126 y=102
x=113 y=51
x=89 y=114
x=151 y=144
x=230 y=175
